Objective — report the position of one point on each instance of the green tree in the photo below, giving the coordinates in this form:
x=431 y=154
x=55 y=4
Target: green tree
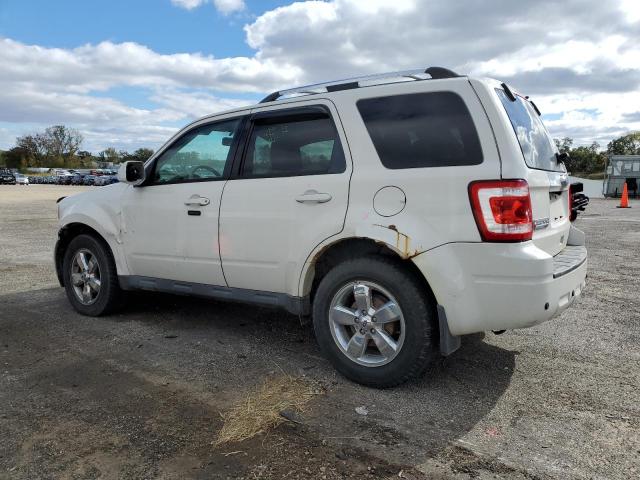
x=626 y=145
x=56 y=146
x=142 y=154
x=110 y=155
x=586 y=159
x=32 y=148
x=17 y=157
x=62 y=142
x=564 y=144
x=582 y=159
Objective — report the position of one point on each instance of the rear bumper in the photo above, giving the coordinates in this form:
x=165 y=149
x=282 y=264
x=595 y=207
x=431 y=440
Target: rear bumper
x=489 y=286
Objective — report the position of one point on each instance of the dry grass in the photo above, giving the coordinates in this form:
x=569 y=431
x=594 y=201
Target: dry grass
x=261 y=409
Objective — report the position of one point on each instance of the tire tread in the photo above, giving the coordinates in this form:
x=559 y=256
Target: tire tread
x=414 y=293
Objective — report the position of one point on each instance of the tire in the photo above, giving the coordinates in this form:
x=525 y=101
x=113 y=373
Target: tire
x=383 y=277
x=102 y=299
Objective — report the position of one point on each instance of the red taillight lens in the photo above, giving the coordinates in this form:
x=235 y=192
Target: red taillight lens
x=502 y=209
x=570 y=195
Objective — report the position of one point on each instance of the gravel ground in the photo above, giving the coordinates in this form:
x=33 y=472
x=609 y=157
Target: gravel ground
x=140 y=394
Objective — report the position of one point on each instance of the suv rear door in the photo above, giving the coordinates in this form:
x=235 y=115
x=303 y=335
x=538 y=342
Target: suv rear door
x=289 y=193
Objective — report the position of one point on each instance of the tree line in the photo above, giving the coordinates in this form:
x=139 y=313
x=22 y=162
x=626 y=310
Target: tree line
x=59 y=146
x=591 y=159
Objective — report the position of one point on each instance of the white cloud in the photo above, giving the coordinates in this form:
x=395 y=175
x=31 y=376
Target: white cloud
x=102 y=66
x=188 y=4
x=580 y=59
x=225 y=7
x=584 y=50
x=196 y=104
x=630 y=9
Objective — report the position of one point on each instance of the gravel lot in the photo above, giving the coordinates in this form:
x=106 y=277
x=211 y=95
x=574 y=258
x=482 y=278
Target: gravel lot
x=140 y=394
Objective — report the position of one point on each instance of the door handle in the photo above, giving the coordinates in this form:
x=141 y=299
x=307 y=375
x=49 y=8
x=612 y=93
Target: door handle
x=313 y=196
x=197 y=201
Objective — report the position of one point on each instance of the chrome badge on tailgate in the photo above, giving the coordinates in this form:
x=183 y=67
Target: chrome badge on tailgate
x=540 y=223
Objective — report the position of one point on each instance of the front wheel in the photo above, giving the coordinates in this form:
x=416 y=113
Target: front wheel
x=374 y=322
x=90 y=277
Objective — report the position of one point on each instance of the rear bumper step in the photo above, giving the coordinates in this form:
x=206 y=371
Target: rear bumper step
x=570 y=258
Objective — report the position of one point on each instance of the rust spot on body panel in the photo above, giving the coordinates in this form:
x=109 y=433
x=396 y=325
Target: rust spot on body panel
x=403 y=242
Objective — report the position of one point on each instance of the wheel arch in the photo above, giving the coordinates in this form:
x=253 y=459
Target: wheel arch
x=331 y=254
x=346 y=248
x=67 y=233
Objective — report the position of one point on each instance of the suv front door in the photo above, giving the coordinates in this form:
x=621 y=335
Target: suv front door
x=289 y=193
x=170 y=223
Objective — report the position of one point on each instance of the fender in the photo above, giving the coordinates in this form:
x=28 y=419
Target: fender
x=102 y=216
x=399 y=237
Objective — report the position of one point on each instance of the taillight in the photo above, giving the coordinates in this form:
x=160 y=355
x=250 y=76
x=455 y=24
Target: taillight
x=572 y=217
x=502 y=209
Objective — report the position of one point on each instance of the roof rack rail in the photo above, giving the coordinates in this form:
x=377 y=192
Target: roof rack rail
x=434 y=73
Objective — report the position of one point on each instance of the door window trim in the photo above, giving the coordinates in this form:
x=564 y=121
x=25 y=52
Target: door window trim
x=228 y=167
x=247 y=132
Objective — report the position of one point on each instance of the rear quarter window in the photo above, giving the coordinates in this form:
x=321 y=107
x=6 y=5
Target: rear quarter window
x=421 y=130
x=537 y=147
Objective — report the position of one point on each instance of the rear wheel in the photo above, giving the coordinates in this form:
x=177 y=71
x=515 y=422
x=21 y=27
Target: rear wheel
x=374 y=322
x=90 y=277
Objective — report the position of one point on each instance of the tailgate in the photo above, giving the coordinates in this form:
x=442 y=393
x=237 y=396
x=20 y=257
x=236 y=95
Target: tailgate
x=550 y=208
x=546 y=176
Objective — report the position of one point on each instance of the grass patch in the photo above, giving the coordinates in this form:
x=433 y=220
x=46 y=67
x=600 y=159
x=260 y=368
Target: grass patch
x=262 y=408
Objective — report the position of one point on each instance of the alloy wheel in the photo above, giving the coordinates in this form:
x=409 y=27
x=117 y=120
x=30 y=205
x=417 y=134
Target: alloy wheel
x=366 y=323
x=85 y=276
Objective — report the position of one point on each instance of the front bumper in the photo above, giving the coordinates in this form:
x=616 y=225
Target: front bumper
x=489 y=286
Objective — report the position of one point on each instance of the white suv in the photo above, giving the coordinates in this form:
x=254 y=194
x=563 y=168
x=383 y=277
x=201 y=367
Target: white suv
x=398 y=211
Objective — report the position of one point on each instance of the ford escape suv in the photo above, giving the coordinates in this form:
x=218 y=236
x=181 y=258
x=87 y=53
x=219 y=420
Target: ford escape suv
x=397 y=211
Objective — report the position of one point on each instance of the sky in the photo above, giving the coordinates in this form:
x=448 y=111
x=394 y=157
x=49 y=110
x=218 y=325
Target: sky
x=129 y=73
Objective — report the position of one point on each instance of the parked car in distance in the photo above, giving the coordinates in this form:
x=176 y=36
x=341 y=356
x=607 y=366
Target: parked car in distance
x=21 y=179
x=396 y=212
x=7 y=177
x=89 y=180
x=77 y=179
x=105 y=180
x=99 y=180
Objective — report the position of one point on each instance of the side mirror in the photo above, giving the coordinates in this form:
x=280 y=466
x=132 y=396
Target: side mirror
x=131 y=172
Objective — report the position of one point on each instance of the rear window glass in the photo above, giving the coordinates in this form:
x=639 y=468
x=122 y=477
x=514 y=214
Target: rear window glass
x=536 y=144
x=292 y=145
x=421 y=130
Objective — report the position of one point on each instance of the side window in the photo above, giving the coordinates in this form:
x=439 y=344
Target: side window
x=538 y=149
x=293 y=144
x=421 y=130
x=200 y=154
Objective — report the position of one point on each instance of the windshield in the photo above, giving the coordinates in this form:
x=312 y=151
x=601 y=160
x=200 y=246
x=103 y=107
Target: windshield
x=537 y=147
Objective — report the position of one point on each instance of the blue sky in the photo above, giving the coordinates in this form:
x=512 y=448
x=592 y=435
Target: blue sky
x=158 y=24
x=129 y=73
x=162 y=26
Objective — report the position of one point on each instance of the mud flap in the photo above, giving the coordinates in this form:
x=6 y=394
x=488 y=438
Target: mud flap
x=448 y=343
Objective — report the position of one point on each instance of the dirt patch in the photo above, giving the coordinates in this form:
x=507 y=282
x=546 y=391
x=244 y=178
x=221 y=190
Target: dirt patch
x=277 y=400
